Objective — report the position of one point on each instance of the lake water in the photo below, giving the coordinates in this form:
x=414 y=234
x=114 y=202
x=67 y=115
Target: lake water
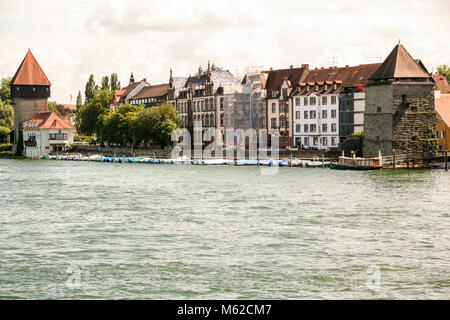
x=139 y=231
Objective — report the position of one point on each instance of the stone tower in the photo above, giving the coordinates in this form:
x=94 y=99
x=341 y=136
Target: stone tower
x=30 y=90
x=399 y=107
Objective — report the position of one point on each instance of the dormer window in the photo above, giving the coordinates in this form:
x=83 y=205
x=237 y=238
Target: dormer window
x=34 y=89
x=307 y=88
x=274 y=94
x=335 y=86
x=317 y=87
x=326 y=87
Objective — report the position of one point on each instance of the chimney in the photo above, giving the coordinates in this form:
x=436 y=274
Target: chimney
x=346 y=65
x=322 y=68
x=305 y=66
x=271 y=69
x=292 y=67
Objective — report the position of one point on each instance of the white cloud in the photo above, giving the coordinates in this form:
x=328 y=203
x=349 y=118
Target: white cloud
x=72 y=39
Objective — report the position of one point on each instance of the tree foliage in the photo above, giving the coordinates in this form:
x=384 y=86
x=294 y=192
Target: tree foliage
x=105 y=83
x=53 y=106
x=120 y=126
x=444 y=70
x=114 y=82
x=5 y=91
x=157 y=124
x=90 y=90
x=79 y=100
x=92 y=115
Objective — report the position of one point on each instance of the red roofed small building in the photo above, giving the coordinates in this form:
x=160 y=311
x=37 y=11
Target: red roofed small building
x=30 y=89
x=46 y=132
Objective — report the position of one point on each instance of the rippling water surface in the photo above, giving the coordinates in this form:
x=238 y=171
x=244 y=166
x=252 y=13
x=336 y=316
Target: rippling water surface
x=138 y=231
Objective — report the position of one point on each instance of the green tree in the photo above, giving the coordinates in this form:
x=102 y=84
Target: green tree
x=6 y=115
x=79 y=100
x=444 y=69
x=157 y=124
x=90 y=89
x=115 y=83
x=5 y=91
x=120 y=126
x=105 y=83
x=53 y=106
x=92 y=115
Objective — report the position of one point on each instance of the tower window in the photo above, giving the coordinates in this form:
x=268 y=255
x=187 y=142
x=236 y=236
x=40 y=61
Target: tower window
x=378 y=109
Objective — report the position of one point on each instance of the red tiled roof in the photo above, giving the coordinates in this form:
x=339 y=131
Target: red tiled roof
x=442 y=106
x=441 y=83
x=399 y=64
x=46 y=120
x=276 y=77
x=30 y=73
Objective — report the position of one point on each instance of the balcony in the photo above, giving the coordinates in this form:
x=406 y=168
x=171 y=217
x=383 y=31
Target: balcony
x=57 y=138
x=30 y=143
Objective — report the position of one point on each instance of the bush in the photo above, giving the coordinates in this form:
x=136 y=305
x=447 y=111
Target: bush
x=85 y=138
x=6 y=147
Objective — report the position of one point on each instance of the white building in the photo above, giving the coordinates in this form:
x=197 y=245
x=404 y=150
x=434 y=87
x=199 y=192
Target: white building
x=46 y=132
x=316 y=114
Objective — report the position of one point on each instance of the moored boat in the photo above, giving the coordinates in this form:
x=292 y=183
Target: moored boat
x=353 y=163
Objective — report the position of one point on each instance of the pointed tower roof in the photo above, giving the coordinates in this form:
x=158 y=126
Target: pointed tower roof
x=30 y=73
x=399 y=64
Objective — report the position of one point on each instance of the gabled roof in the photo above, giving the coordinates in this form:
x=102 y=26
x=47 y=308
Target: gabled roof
x=30 y=73
x=441 y=83
x=399 y=64
x=442 y=106
x=275 y=78
x=46 y=120
x=159 y=90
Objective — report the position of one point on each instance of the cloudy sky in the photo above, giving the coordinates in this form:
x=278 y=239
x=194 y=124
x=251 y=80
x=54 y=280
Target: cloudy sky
x=72 y=39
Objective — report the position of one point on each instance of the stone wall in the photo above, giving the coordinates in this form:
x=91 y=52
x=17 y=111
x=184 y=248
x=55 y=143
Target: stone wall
x=24 y=110
x=397 y=118
x=412 y=117
x=378 y=121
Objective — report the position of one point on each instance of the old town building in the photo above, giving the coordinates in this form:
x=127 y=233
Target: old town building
x=201 y=98
x=279 y=85
x=124 y=95
x=400 y=113
x=151 y=95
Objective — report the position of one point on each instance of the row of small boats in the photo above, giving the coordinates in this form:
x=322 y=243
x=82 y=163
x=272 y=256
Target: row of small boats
x=186 y=160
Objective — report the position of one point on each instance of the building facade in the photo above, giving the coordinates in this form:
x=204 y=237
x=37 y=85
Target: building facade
x=400 y=112
x=442 y=104
x=201 y=98
x=46 y=132
x=151 y=96
x=279 y=85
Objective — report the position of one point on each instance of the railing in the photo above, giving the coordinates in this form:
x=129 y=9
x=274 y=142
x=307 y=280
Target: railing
x=58 y=136
x=30 y=143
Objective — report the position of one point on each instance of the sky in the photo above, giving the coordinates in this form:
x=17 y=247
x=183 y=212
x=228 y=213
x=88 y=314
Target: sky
x=73 y=39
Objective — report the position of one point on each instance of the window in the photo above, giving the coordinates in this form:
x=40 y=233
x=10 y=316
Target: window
x=285 y=93
x=297 y=101
x=333 y=141
x=335 y=86
x=298 y=128
x=378 y=109
x=274 y=94
x=325 y=141
x=305 y=115
x=312 y=114
x=324 y=114
x=274 y=108
x=333 y=127
x=297 y=115
x=273 y=123
x=315 y=141
x=324 y=100
x=306 y=141
x=305 y=101
x=324 y=127
x=317 y=87
x=333 y=99
x=333 y=113
x=305 y=128
x=326 y=87
x=312 y=128
x=312 y=101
